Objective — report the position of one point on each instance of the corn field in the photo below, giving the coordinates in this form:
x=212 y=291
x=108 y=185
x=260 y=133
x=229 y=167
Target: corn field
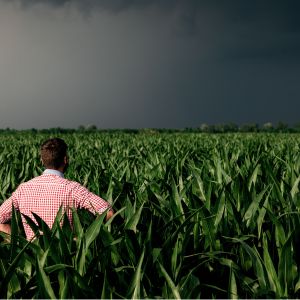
x=197 y=216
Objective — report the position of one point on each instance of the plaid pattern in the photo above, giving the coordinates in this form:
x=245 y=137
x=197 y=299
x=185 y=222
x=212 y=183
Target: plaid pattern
x=44 y=195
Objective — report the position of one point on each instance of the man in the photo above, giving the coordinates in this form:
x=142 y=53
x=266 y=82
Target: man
x=45 y=194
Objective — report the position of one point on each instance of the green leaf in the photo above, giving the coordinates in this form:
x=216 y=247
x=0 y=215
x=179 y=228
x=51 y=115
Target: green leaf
x=57 y=267
x=253 y=207
x=14 y=235
x=134 y=288
x=256 y=261
x=106 y=290
x=220 y=211
x=261 y=215
x=44 y=284
x=176 y=202
x=63 y=285
x=295 y=188
x=271 y=272
x=134 y=220
x=80 y=256
x=233 y=294
x=10 y=271
x=77 y=225
x=176 y=255
x=93 y=230
x=58 y=219
x=170 y=282
x=285 y=273
x=253 y=178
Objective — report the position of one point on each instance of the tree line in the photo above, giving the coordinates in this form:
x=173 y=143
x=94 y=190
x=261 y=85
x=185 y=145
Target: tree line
x=280 y=127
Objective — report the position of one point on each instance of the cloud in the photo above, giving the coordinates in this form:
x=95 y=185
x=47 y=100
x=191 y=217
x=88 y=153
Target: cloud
x=186 y=12
x=114 y=6
x=135 y=63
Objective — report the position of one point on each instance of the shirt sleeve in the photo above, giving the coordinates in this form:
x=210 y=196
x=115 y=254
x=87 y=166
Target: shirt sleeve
x=6 y=207
x=83 y=198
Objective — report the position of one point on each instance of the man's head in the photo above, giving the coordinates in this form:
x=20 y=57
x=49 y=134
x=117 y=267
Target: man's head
x=54 y=154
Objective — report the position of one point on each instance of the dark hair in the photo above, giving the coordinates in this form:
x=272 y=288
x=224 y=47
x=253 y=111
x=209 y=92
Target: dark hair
x=53 y=152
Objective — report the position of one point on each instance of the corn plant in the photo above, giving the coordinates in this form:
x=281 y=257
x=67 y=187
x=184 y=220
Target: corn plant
x=197 y=216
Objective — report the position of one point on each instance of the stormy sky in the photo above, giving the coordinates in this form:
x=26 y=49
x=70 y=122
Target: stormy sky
x=148 y=63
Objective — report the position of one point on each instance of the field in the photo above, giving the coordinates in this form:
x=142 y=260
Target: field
x=197 y=216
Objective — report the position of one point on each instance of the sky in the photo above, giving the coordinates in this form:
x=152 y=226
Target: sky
x=148 y=63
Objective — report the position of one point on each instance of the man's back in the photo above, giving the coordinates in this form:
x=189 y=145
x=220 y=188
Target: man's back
x=45 y=194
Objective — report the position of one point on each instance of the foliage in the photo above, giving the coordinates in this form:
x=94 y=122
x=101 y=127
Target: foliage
x=197 y=216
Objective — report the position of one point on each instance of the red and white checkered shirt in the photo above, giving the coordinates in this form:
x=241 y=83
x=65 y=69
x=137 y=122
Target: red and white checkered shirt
x=44 y=195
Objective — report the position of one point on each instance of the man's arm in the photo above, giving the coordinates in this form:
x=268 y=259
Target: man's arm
x=109 y=214
x=88 y=200
x=5 y=215
x=6 y=211
x=5 y=228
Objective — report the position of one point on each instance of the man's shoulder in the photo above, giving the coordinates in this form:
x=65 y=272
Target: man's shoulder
x=49 y=179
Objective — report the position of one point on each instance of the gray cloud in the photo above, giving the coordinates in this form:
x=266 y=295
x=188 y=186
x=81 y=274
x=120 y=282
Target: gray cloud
x=147 y=63
x=88 y=6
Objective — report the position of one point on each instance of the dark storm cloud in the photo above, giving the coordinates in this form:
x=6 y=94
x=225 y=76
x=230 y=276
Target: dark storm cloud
x=187 y=18
x=261 y=30
x=275 y=12
x=259 y=25
x=276 y=50
x=110 y=5
x=149 y=63
x=267 y=29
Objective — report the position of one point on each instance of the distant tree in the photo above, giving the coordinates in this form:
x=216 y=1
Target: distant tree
x=219 y=128
x=268 y=127
x=149 y=131
x=212 y=128
x=188 y=129
x=296 y=127
x=204 y=127
x=250 y=127
x=33 y=130
x=231 y=127
x=91 y=127
x=282 y=127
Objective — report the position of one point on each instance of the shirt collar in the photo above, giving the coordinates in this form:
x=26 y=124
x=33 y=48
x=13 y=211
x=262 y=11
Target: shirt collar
x=53 y=172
